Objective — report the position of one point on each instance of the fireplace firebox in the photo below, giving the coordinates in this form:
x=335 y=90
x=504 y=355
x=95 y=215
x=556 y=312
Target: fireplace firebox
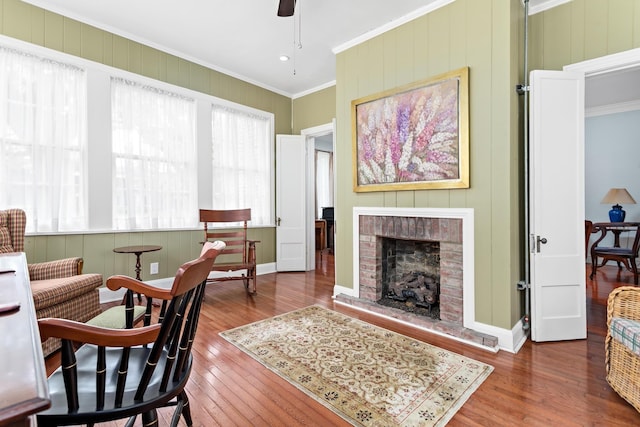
x=410 y=276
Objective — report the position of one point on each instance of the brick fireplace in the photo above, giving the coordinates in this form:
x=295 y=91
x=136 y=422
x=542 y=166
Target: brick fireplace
x=452 y=230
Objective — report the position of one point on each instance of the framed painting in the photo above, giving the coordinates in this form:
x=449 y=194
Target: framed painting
x=413 y=137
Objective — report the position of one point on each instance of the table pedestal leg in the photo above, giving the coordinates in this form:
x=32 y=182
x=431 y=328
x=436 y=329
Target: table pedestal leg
x=138 y=270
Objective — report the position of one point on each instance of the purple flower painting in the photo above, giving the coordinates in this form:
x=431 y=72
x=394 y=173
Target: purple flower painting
x=411 y=136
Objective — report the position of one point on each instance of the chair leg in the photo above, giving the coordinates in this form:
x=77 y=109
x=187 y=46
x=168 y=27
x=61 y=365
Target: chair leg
x=186 y=412
x=252 y=280
x=150 y=419
x=594 y=267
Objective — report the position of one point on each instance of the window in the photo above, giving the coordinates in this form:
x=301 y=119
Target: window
x=89 y=148
x=242 y=154
x=154 y=158
x=324 y=181
x=43 y=141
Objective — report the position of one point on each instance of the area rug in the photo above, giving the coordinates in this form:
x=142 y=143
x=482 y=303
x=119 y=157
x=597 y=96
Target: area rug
x=368 y=375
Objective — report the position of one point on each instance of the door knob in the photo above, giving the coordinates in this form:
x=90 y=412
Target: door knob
x=539 y=241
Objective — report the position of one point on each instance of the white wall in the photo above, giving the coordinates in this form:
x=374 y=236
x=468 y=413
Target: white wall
x=612 y=159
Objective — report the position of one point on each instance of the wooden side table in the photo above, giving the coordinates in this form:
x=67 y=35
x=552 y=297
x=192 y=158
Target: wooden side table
x=138 y=250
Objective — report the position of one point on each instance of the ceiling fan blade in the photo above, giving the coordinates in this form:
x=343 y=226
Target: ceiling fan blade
x=286 y=7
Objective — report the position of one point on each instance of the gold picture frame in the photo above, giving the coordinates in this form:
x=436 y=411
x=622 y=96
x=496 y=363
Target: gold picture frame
x=413 y=137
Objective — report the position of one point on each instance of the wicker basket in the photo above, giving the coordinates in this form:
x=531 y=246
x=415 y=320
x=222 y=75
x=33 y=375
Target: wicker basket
x=622 y=365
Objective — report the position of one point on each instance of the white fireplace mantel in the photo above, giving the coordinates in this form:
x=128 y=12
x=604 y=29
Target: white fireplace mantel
x=467 y=217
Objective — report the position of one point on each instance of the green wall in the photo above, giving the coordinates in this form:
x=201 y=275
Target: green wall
x=318 y=108
x=32 y=24
x=582 y=30
x=483 y=35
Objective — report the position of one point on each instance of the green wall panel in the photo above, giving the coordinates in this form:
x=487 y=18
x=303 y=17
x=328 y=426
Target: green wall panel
x=92 y=46
x=152 y=63
x=53 y=31
x=316 y=109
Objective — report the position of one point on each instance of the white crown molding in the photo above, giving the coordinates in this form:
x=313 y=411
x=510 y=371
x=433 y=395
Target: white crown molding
x=621 y=107
x=313 y=90
x=543 y=5
x=391 y=25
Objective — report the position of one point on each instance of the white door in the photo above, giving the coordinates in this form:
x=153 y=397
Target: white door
x=556 y=163
x=291 y=244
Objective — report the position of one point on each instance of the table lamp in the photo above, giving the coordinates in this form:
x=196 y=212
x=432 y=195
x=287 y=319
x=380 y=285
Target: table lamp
x=617 y=196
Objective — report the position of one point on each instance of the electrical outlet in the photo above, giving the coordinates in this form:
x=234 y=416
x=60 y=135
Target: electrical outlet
x=154 y=268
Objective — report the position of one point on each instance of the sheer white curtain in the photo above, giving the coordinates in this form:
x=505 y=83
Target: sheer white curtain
x=43 y=141
x=242 y=163
x=154 y=158
x=324 y=181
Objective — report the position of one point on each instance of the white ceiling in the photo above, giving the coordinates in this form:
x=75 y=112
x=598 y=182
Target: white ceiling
x=244 y=38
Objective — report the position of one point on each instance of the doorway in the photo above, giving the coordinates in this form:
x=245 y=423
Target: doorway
x=610 y=88
x=318 y=138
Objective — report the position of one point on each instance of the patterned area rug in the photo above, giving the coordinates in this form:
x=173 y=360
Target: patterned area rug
x=366 y=374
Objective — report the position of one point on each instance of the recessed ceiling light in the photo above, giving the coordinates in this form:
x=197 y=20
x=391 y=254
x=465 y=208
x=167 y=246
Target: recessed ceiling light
x=284 y=58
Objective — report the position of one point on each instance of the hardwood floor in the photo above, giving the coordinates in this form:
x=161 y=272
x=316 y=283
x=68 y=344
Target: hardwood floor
x=547 y=384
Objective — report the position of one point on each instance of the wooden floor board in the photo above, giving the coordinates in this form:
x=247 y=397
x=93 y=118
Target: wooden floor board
x=546 y=384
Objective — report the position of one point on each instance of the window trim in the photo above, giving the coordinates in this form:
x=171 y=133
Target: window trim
x=99 y=180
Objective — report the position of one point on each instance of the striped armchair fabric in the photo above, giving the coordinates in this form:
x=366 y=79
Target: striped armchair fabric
x=59 y=288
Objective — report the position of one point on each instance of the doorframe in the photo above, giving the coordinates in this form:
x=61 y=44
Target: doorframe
x=606 y=64
x=310 y=134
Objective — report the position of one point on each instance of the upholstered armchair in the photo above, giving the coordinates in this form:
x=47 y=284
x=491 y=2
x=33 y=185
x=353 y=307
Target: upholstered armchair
x=14 y=221
x=59 y=288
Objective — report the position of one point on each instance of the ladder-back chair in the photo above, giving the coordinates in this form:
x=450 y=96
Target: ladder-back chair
x=623 y=254
x=120 y=373
x=240 y=252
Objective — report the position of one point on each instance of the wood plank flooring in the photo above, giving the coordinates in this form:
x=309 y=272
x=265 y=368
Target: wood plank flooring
x=548 y=384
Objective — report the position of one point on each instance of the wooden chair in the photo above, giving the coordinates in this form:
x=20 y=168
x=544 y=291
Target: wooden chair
x=588 y=229
x=120 y=373
x=626 y=255
x=240 y=252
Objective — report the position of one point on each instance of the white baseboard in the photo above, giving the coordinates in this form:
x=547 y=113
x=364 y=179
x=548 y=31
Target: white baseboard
x=107 y=295
x=508 y=340
x=337 y=290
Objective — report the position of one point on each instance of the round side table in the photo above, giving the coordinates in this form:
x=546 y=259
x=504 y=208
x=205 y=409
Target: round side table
x=137 y=250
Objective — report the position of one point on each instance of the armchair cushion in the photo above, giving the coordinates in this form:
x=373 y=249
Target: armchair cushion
x=47 y=293
x=627 y=332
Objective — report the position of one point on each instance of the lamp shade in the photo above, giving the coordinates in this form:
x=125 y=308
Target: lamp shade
x=617 y=196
